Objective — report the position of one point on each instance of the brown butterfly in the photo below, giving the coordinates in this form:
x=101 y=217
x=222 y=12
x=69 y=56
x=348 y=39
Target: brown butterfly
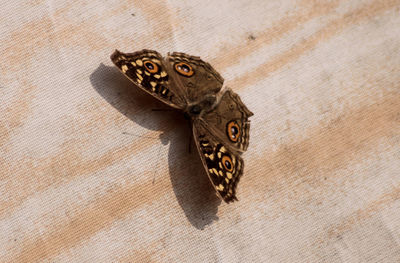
x=220 y=119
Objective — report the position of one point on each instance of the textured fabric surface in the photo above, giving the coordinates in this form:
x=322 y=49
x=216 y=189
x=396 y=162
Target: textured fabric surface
x=89 y=173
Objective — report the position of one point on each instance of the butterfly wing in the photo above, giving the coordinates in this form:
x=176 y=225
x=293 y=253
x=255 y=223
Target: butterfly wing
x=148 y=71
x=197 y=78
x=223 y=165
x=229 y=121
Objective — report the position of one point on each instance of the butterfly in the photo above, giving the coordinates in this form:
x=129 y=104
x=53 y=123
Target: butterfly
x=219 y=118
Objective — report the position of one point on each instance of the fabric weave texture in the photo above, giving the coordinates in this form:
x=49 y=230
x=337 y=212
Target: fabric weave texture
x=90 y=173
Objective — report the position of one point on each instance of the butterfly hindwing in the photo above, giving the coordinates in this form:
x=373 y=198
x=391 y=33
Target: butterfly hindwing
x=223 y=166
x=147 y=70
x=229 y=120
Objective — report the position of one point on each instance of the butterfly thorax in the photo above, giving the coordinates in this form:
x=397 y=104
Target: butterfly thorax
x=194 y=110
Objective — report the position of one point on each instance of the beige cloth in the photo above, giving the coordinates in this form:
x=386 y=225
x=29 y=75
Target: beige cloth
x=89 y=173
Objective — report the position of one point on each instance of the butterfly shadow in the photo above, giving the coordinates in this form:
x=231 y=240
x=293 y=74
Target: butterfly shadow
x=193 y=191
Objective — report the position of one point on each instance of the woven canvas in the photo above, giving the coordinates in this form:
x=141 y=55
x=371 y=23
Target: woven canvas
x=90 y=173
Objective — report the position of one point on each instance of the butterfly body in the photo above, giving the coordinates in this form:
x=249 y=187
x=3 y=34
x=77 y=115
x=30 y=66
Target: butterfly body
x=219 y=118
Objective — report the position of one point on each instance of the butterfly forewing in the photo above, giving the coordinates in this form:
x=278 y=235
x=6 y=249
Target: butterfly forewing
x=196 y=77
x=148 y=71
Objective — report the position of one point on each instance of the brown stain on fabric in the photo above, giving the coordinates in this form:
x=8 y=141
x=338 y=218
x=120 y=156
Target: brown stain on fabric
x=43 y=33
x=26 y=173
x=14 y=115
x=138 y=256
x=233 y=53
x=360 y=215
x=30 y=38
x=357 y=218
x=300 y=169
x=101 y=214
x=36 y=2
x=324 y=34
x=160 y=17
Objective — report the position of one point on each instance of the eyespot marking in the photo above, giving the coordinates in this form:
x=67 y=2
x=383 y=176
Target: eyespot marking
x=184 y=69
x=233 y=131
x=227 y=163
x=151 y=66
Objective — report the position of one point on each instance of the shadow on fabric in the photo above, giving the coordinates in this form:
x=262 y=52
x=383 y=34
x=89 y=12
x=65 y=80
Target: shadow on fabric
x=191 y=186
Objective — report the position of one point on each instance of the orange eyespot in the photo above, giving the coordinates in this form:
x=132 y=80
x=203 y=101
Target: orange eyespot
x=227 y=163
x=151 y=66
x=184 y=69
x=233 y=131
